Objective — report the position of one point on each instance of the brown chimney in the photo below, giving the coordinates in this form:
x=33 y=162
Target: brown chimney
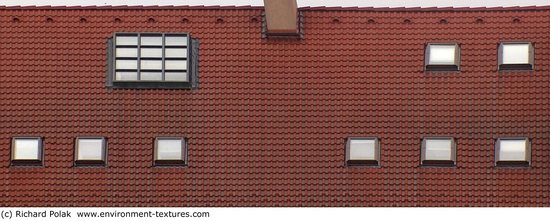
x=281 y=17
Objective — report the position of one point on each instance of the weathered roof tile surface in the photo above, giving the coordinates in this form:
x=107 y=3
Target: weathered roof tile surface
x=267 y=127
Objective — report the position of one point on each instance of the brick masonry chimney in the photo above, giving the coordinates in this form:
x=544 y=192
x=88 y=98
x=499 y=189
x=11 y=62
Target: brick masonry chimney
x=281 y=17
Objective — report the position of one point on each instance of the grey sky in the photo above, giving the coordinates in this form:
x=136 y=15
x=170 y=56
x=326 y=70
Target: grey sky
x=375 y=3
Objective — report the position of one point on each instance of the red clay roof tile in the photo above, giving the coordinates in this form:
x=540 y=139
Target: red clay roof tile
x=267 y=127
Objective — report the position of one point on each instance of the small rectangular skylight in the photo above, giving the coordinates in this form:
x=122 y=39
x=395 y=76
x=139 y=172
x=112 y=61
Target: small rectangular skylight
x=438 y=151
x=516 y=56
x=362 y=151
x=442 y=54
x=26 y=151
x=513 y=152
x=170 y=151
x=90 y=151
x=442 y=57
x=515 y=53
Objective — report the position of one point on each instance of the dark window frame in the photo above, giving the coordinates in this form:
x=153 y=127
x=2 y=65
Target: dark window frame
x=171 y=163
x=363 y=163
x=39 y=162
x=192 y=60
x=516 y=67
x=513 y=163
x=442 y=67
x=438 y=163
x=91 y=163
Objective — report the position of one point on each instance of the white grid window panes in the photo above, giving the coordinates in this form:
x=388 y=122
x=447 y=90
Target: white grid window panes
x=129 y=40
x=126 y=52
x=176 y=40
x=175 y=52
x=157 y=57
x=151 y=76
x=151 y=64
x=151 y=40
x=126 y=76
x=126 y=64
x=175 y=65
x=151 y=53
x=175 y=76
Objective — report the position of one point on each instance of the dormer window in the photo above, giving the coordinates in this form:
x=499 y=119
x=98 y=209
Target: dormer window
x=153 y=60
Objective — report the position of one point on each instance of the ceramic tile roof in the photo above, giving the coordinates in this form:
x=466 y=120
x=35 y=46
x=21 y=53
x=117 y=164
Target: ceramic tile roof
x=268 y=125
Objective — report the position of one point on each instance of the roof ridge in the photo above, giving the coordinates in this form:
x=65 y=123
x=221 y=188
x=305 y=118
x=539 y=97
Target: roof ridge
x=306 y=8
